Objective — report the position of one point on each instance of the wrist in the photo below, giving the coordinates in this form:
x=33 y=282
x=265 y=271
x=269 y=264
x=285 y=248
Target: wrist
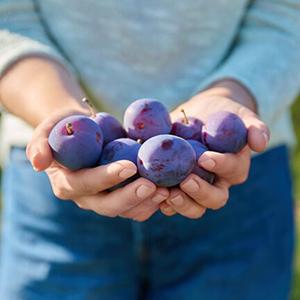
x=233 y=90
x=68 y=105
x=34 y=88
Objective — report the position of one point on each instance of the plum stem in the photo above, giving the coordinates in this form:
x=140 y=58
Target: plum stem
x=90 y=106
x=69 y=128
x=186 y=120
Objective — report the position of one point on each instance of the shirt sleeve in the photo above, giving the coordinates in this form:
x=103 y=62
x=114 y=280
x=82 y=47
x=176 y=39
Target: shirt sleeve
x=265 y=57
x=22 y=34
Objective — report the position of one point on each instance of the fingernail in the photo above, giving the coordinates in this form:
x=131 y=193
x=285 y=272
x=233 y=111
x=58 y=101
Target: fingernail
x=126 y=173
x=34 y=158
x=164 y=205
x=166 y=208
x=158 y=198
x=207 y=162
x=178 y=200
x=191 y=185
x=266 y=137
x=144 y=191
x=35 y=169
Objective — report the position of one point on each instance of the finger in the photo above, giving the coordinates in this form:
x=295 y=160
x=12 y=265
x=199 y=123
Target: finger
x=68 y=184
x=38 y=150
x=116 y=203
x=147 y=208
x=233 y=167
x=258 y=138
x=167 y=210
x=258 y=132
x=39 y=154
x=207 y=195
x=184 y=205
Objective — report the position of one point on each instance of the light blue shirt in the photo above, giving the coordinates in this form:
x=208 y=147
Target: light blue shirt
x=165 y=49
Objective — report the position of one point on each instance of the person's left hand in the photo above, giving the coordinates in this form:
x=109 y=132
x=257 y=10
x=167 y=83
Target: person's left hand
x=196 y=195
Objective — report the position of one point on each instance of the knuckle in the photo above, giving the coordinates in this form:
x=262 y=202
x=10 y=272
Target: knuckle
x=221 y=201
x=229 y=167
x=224 y=198
x=60 y=192
x=84 y=187
x=82 y=205
x=132 y=201
x=168 y=211
x=202 y=196
x=196 y=213
x=111 y=213
x=141 y=218
x=223 y=162
x=217 y=205
x=242 y=178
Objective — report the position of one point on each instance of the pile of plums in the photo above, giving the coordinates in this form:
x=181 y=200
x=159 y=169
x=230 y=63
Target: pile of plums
x=163 y=152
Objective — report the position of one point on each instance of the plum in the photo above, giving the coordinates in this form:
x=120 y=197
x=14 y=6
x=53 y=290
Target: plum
x=145 y=118
x=123 y=148
x=224 y=132
x=199 y=149
x=111 y=127
x=76 y=142
x=187 y=127
x=166 y=160
x=119 y=149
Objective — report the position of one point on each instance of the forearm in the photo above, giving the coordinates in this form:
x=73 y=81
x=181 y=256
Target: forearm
x=34 y=87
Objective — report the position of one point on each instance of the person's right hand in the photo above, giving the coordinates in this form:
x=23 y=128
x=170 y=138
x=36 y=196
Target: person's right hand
x=87 y=187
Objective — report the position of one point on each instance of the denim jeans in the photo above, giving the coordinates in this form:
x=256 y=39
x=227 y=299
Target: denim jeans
x=51 y=249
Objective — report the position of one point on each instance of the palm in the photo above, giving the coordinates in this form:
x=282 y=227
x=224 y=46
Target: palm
x=202 y=108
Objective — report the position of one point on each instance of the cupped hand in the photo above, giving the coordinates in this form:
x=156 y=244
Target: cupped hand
x=196 y=195
x=88 y=187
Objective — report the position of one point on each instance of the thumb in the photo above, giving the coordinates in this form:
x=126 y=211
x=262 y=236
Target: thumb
x=38 y=150
x=39 y=154
x=258 y=133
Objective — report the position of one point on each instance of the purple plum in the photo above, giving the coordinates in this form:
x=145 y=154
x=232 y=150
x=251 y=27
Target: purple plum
x=76 y=142
x=199 y=150
x=111 y=127
x=224 y=132
x=145 y=118
x=166 y=160
x=123 y=148
x=119 y=149
x=187 y=127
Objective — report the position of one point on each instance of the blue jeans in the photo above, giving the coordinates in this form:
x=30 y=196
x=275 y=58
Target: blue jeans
x=51 y=249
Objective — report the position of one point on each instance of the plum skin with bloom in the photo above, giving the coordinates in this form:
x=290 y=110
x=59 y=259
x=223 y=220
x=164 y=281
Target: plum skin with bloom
x=79 y=148
x=111 y=127
x=120 y=149
x=224 y=132
x=199 y=149
x=166 y=160
x=189 y=131
x=145 y=118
